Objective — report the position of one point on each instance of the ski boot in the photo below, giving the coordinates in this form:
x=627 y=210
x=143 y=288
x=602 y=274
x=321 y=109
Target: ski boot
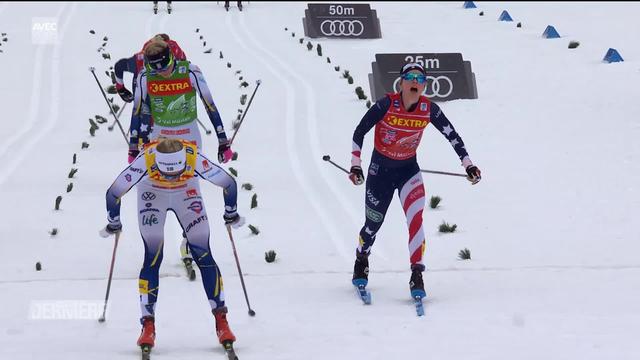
x=169 y=7
x=225 y=336
x=155 y=7
x=226 y=5
x=240 y=5
x=222 y=326
x=361 y=269
x=147 y=338
x=361 y=277
x=416 y=285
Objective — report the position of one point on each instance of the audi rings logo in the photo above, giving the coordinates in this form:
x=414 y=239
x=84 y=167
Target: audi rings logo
x=437 y=86
x=342 y=27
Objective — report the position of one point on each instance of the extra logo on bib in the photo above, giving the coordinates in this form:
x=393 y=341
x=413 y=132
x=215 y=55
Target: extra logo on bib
x=169 y=87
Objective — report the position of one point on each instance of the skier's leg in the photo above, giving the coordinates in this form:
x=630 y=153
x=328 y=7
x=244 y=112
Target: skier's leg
x=378 y=196
x=412 y=197
x=193 y=218
x=152 y=211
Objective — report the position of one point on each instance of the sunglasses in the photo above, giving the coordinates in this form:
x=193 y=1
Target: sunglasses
x=420 y=78
x=161 y=65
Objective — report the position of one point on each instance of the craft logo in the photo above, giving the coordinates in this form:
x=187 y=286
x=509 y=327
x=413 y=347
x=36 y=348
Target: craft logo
x=195 y=222
x=192 y=192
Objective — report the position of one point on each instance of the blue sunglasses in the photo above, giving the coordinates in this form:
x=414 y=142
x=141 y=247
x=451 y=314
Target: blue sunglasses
x=421 y=79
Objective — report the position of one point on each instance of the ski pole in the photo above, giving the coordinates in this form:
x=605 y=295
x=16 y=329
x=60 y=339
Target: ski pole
x=113 y=260
x=442 y=173
x=204 y=127
x=258 y=82
x=92 y=69
x=328 y=158
x=244 y=288
x=110 y=128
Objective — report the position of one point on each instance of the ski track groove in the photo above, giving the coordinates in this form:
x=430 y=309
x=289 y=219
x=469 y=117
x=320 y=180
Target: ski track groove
x=53 y=114
x=312 y=129
x=294 y=159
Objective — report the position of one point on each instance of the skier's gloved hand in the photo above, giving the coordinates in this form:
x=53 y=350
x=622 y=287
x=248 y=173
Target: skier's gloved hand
x=110 y=229
x=124 y=93
x=473 y=174
x=233 y=219
x=133 y=154
x=224 y=152
x=356 y=176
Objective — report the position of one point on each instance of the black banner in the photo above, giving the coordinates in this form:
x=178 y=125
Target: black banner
x=347 y=21
x=449 y=77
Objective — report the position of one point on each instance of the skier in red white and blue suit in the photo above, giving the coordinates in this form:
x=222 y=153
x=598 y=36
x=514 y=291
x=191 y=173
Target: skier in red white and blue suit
x=400 y=120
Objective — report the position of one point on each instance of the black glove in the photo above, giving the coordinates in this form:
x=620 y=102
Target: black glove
x=473 y=174
x=233 y=219
x=133 y=154
x=124 y=93
x=224 y=152
x=356 y=176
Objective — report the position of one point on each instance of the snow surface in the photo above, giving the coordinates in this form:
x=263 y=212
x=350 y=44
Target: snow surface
x=552 y=227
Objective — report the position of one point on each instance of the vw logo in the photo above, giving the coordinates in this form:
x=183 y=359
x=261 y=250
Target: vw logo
x=437 y=86
x=148 y=196
x=342 y=27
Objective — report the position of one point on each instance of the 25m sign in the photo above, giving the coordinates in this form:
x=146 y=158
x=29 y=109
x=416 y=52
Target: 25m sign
x=449 y=76
x=348 y=21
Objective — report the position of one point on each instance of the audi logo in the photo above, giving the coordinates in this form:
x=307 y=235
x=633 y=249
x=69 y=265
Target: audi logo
x=437 y=86
x=342 y=27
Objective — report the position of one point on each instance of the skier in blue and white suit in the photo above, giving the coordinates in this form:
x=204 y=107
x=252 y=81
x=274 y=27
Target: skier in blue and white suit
x=166 y=174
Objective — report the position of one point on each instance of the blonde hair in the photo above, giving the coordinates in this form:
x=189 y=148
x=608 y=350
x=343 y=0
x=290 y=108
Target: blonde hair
x=168 y=146
x=155 y=47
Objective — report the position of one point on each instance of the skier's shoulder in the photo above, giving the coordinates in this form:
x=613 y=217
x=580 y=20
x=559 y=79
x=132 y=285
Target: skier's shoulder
x=194 y=68
x=383 y=104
